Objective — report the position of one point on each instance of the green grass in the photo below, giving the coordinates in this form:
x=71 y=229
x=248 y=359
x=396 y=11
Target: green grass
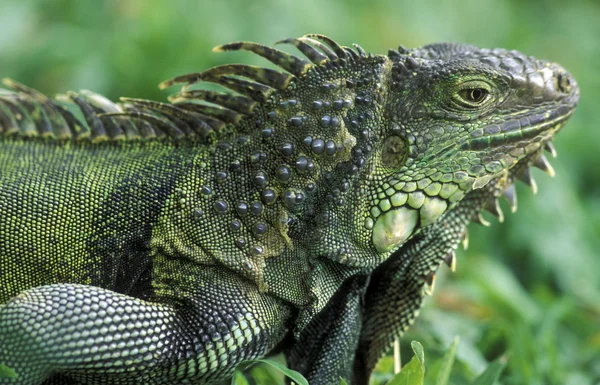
x=413 y=373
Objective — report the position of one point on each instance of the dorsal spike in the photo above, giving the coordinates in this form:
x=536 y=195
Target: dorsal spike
x=315 y=56
x=360 y=50
x=77 y=128
x=16 y=86
x=256 y=91
x=266 y=76
x=290 y=63
x=218 y=113
x=450 y=260
x=129 y=128
x=236 y=103
x=465 y=239
x=352 y=54
x=479 y=219
x=50 y=121
x=493 y=207
x=91 y=117
x=412 y=63
x=526 y=178
x=510 y=194
x=550 y=148
x=185 y=111
x=191 y=122
x=325 y=49
x=402 y=70
x=170 y=129
x=403 y=50
x=15 y=117
x=141 y=128
x=392 y=53
x=102 y=105
x=338 y=49
x=429 y=287
x=542 y=163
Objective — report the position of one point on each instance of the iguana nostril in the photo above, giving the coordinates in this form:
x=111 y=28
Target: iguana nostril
x=564 y=82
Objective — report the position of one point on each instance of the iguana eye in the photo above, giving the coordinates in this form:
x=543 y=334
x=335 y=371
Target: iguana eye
x=394 y=151
x=473 y=97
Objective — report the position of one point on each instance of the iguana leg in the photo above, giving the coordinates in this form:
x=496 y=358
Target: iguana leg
x=393 y=300
x=326 y=347
x=95 y=335
x=396 y=290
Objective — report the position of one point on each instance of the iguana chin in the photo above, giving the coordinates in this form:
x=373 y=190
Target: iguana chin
x=306 y=212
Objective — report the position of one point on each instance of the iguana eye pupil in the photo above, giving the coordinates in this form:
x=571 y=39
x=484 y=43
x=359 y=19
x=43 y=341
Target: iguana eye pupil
x=474 y=95
x=394 y=151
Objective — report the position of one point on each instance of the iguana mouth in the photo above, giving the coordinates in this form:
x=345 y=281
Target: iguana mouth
x=515 y=130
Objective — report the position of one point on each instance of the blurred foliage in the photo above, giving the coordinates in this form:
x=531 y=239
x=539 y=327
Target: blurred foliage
x=529 y=287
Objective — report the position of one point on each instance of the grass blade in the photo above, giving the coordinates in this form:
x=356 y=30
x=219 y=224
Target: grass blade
x=447 y=363
x=239 y=379
x=6 y=372
x=292 y=374
x=413 y=373
x=491 y=374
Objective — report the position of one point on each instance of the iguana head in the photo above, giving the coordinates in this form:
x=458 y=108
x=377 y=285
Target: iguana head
x=459 y=117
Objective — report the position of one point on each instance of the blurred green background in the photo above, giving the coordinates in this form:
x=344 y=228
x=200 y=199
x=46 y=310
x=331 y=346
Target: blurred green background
x=529 y=288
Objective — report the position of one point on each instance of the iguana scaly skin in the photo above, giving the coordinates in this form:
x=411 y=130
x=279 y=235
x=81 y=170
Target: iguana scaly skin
x=306 y=212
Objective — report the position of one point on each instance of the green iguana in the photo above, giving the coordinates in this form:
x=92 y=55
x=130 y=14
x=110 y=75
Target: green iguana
x=305 y=211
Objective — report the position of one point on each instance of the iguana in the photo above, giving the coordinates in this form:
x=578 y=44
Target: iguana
x=304 y=211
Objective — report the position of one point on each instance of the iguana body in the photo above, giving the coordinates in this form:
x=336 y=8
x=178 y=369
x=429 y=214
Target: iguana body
x=157 y=243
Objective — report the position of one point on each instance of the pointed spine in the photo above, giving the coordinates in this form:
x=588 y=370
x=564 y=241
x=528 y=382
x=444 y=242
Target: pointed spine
x=189 y=121
x=15 y=118
x=338 y=49
x=429 y=286
x=542 y=163
x=361 y=52
x=241 y=104
x=309 y=51
x=169 y=128
x=324 y=48
x=510 y=194
x=550 y=148
x=218 y=113
x=493 y=207
x=254 y=90
x=480 y=220
x=450 y=260
x=290 y=63
x=98 y=130
x=266 y=76
x=53 y=122
x=526 y=178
